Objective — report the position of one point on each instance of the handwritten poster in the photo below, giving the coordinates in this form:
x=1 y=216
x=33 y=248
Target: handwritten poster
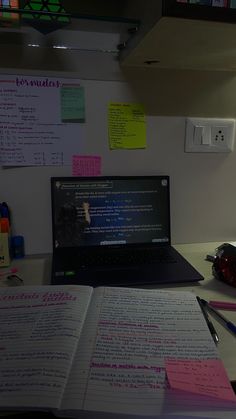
x=127 y=126
x=207 y=377
x=86 y=165
x=38 y=124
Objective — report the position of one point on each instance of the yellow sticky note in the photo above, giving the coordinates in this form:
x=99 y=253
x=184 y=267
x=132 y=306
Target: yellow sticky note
x=126 y=125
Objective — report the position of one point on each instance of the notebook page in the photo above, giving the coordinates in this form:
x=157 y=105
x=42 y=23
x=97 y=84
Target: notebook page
x=121 y=368
x=39 y=331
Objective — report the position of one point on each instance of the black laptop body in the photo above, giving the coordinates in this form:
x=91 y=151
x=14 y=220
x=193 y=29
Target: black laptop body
x=114 y=230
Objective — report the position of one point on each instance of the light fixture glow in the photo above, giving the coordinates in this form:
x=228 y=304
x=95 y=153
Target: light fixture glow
x=60 y=47
x=34 y=45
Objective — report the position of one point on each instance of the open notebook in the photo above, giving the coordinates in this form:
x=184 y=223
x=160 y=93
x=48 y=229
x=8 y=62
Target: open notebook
x=114 y=231
x=101 y=354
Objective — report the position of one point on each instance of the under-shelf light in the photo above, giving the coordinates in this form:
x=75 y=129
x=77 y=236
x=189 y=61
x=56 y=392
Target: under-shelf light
x=68 y=48
x=59 y=47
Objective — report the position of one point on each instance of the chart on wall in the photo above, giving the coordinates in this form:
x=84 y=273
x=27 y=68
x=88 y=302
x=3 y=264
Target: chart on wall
x=42 y=120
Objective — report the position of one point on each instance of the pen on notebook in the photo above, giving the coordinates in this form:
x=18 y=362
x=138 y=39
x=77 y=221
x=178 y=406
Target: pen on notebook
x=218 y=316
x=223 y=305
x=208 y=321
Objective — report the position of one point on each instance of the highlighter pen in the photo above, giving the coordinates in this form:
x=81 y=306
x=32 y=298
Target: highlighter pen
x=218 y=316
x=223 y=305
x=208 y=321
x=4 y=225
x=5 y=211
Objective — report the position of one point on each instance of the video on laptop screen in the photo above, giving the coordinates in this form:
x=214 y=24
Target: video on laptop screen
x=110 y=211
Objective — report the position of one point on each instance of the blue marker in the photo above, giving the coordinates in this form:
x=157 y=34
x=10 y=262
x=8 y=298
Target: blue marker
x=225 y=322
x=5 y=212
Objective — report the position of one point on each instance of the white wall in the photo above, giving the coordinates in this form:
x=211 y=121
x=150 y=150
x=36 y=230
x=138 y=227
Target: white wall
x=203 y=199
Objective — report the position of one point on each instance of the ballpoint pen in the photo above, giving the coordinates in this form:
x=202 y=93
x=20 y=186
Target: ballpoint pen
x=218 y=316
x=208 y=321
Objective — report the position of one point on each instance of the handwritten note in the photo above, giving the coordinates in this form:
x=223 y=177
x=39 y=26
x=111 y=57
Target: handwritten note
x=120 y=359
x=127 y=126
x=207 y=377
x=86 y=165
x=45 y=324
x=72 y=103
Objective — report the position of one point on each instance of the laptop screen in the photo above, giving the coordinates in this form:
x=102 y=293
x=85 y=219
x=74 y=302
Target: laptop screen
x=107 y=211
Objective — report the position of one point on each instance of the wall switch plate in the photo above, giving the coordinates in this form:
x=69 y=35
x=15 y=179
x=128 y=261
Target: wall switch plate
x=209 y=135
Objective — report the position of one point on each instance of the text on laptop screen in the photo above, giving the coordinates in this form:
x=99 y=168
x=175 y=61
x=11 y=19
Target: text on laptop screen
x=110 y=211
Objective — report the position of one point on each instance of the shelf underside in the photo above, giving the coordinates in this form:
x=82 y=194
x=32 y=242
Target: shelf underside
x=185 y=44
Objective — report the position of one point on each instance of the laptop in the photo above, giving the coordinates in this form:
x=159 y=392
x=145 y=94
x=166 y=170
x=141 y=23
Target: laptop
x=114 y=230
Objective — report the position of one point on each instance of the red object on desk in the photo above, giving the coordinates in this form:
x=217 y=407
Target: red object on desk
x=224 y=265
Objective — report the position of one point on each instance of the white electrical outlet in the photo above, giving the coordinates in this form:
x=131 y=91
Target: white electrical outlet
x=209 y=135
x=220 y=136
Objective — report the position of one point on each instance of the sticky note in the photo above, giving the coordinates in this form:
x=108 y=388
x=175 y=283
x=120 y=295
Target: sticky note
x=206 y=377
x=86 y=165
x=72 y=103
x=126 y=126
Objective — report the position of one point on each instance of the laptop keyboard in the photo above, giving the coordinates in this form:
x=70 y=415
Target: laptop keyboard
x=130 y=257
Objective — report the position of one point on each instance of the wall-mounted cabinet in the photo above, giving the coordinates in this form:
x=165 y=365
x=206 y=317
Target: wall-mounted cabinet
x=184 y=35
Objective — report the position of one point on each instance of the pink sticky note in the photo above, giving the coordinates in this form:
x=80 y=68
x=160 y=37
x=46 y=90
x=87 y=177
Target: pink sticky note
x=206 y=377
x=86 y=165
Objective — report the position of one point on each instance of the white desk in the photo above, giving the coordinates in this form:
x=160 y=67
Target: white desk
x=35 y=270
x=212 y=289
